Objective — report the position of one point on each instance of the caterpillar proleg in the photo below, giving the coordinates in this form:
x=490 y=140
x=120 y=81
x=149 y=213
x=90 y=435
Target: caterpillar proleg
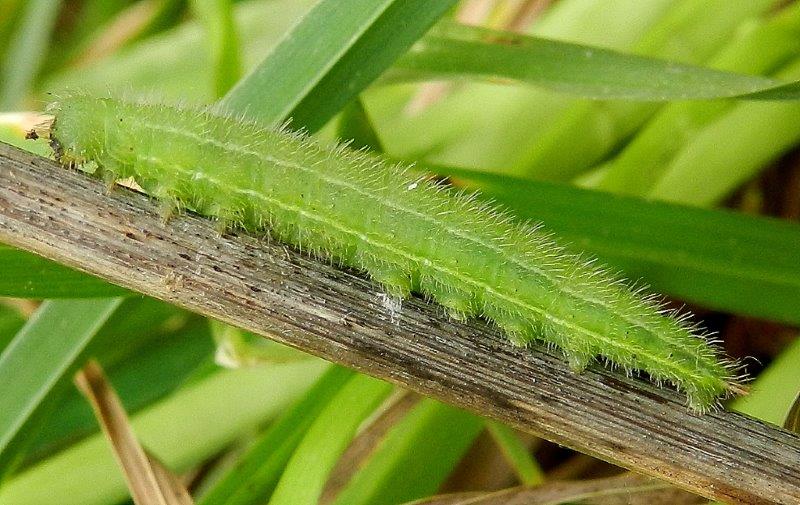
x=408 y=234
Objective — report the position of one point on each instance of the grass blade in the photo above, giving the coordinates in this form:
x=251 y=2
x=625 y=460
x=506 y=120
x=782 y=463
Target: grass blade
x=457 y=51
x=363 y=445
x=41 y=353
x=416 y=456
x=308 y=469
x=149 y=482
x=355 y=127
x=26 y=275
x=774 y=390
x=132 y=328
x=517 y=454
x=254 y=477
x=26 y=51
x=753 y=134
x=527 y=130
x=764 y=49
x=211 y=413
x=590 y=131
x=217 y=16
x=142 y=375
x=329 y=57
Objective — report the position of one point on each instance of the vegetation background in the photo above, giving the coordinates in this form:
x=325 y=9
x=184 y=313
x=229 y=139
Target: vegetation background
x=630 y=159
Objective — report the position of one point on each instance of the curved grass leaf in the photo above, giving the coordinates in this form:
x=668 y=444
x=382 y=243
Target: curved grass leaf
x=457 y=51
x=329 y=57
x=307 y=471
x=254 y=477
x=210 y=413
x=775 y=389
x=154 y=364
x=545 y=135
x=753 y=134
x=40 y=354
x=765 y=48
x=415 y=457
x=693 y=32
x=448 y=52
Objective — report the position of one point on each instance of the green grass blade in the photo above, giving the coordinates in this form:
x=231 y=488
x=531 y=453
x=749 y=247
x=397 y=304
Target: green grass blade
x=517 y=454
x=135 y=323
x=26 y=275
x=41 y=352
x=27 y=50
x=170 y=63
x=253 y=479
x=528 y=130
x=752 y=270
x=210 y=413
x=307 y=471
x=329 y=57
x=457 y=51
x=354 y=126
x=142 y=375
x=10 y=323
x=415 y=457
x=217 y=16
x=692 y=32
x=764 y=48
x=753 y=134
x=774 y=390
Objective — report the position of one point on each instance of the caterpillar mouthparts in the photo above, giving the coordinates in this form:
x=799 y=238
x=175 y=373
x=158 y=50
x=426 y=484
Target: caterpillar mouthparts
x=408 y=234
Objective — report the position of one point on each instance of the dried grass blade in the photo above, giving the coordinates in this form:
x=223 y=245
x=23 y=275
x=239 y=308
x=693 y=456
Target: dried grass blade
x=149 y=482
x=792 y=422
x=628 y=489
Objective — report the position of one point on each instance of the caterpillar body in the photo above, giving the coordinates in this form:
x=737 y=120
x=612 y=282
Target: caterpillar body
x=408 y=234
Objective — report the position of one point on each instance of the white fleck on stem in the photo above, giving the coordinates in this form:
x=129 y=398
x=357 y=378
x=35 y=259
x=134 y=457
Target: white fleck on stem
x=393 y=306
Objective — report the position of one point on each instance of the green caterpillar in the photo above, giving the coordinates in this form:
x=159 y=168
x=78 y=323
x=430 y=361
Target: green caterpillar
x=408 y=234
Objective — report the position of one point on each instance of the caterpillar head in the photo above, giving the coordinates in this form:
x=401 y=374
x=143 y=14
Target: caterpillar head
x=82 y=131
